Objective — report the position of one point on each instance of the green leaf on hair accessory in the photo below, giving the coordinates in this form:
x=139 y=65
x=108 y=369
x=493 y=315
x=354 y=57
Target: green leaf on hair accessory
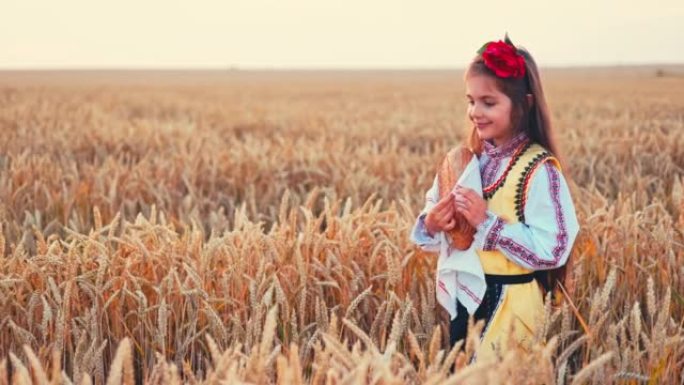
x=507 y=40
x=482 y=49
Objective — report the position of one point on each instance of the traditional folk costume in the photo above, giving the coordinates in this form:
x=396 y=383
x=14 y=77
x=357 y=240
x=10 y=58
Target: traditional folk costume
x=531 y=226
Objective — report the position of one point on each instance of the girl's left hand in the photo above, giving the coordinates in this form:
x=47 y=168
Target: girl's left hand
x=471 y=205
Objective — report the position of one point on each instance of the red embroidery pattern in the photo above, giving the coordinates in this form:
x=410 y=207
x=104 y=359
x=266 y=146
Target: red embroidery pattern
x=523 y=253
x=562 y=236
x=491 y=168
x=493 y=235
x=505 y=149
x=470 y=294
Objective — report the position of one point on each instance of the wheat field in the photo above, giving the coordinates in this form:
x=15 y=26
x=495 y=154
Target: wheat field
x=252 y=227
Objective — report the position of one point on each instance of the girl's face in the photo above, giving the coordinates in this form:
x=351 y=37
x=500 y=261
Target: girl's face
x=489 y=109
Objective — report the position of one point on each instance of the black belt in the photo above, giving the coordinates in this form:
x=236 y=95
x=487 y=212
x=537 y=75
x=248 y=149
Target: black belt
x=509 y=279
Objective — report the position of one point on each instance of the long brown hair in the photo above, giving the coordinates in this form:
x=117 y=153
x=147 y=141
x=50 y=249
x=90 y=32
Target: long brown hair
x=535 y=120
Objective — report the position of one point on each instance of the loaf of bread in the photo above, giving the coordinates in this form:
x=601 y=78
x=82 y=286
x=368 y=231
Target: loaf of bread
x=449 y=171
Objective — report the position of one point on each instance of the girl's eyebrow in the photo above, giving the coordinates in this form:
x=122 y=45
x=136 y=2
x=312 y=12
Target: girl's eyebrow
x=483 y=96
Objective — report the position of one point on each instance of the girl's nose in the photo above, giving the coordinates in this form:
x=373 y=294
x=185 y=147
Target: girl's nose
x=475 y=111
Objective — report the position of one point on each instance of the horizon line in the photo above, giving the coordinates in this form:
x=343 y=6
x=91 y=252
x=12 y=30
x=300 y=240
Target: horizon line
x=229 y=68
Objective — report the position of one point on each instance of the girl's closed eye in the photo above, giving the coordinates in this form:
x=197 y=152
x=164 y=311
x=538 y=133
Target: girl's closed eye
x=487 y=103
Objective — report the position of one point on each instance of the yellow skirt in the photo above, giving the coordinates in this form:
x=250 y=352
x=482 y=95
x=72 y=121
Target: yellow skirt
x=517 y=315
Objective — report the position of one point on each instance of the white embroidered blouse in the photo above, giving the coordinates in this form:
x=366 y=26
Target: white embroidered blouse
x=544 y=241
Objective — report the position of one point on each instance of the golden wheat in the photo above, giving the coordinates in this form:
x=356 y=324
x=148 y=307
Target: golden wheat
x=150 y=232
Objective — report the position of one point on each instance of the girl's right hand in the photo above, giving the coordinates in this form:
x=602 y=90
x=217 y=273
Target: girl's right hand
x=441 y=217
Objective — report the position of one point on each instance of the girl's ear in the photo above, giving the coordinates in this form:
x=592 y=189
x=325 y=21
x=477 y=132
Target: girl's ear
x=530 y=100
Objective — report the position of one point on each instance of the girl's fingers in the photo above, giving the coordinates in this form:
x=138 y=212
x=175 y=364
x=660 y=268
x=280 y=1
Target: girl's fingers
x=444 y=201
x=472 y=195
x=463 y=196
x=463 y=211
x=465 y=190
x=468 y=197
x=442 y=207
x=468 y=192
x=461 y=200
x=444 y=212
x=447 y=217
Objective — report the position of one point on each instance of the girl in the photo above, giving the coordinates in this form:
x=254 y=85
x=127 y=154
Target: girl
x=524 y=219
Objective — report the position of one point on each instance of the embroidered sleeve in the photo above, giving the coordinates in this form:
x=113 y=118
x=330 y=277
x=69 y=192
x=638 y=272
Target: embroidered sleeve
x=544 y=241
x=419 y=234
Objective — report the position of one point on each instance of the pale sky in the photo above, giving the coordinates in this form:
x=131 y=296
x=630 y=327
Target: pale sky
x=306 y=34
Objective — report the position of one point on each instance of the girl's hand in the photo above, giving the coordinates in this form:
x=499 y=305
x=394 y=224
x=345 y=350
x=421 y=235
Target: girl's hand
x=441 y=217
x=471 y=205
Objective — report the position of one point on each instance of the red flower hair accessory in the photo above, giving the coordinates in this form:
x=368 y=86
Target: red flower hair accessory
x=503 y=58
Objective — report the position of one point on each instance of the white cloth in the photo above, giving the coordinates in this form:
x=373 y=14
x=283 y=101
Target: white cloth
x=459 y=272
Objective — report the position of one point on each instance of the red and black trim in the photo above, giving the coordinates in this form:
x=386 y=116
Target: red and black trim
x=521 y=187
x=488 y=192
